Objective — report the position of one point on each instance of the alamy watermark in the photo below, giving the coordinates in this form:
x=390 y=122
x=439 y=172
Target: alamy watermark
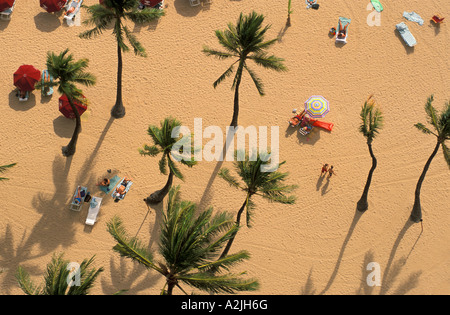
x=221 y=145
x=74 y=276
x=374 y=17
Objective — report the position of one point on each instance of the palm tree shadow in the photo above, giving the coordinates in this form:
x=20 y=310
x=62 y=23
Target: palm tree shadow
x=309 y=288
x=356 y=218
x=207 y=194
x=392 y=269
x=365 y=289
x=124 y=276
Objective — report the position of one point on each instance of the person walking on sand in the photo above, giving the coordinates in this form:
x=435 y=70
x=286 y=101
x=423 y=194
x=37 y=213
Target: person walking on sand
x=331 y=171
x=324 y=169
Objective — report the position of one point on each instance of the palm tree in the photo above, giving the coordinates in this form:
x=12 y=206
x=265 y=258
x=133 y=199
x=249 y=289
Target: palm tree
x=255 y=181
x=441 y=125
x=371 y=123
x=164 y=143
x=117 y=12
x=245 y=41
x=66 y=73
x=58 y=281
x=3 y=168
x=188 y=243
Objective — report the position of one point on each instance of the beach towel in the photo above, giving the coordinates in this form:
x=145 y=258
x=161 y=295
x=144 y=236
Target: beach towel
x=112 y=183
x=403 y=29
x=377 y=5
x=413 y=17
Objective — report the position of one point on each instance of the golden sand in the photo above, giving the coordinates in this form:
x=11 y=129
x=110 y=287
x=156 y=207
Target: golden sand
x=321 y=244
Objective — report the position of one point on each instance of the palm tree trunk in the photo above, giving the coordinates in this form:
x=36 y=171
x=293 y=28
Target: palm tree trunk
x=362 y=204
x=159 y=195
x=238 y=222
x=118 y=111
x=416 y=213
x=234 y=121
x=70 y=149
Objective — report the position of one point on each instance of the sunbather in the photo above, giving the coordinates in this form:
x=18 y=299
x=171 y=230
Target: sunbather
x=120 y=191
x=72 y=8
x=105 y=182
x=79 y=195
x=342 y=30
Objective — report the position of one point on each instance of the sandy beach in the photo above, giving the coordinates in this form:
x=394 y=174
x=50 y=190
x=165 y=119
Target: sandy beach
x=320 y=245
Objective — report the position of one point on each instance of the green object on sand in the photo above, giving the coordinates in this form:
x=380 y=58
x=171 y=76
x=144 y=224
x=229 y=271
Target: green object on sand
x=377 y=5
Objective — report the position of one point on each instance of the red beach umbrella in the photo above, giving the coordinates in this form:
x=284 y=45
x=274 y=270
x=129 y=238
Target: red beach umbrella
x=26 y=77
x=66 y=109
x=6 y=4
x=52 y=5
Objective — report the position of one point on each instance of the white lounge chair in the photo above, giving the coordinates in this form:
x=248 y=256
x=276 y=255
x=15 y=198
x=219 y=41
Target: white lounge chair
x=77 y=200
x=94 y=208
x=23 y=99
x=76 y=5
x=403 y=29
x=6 y=14
x=194 y=2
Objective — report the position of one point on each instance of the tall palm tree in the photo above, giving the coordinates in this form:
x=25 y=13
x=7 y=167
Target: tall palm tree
x=245 y=41
x=164 y=143
x=57 y=279
x=441 y=125
x=3 y=168
x=188 y=243
x=118 y=12
x=255 y=181
x=371 y=123
x=66 y=73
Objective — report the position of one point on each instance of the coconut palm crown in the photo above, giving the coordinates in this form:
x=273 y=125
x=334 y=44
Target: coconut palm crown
x=118 y=12
x=188 y=245
x=245 y=42
x=441 y=130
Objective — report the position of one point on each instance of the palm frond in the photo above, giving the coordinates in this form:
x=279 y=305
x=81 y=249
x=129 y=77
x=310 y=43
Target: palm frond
x=129 y=246
x=26 y=284
x=4 y=168
x=229 y=283
x=139 y=50
x=257 y=81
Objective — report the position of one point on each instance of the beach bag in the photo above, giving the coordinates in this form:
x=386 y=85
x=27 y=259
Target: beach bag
x=315 y=6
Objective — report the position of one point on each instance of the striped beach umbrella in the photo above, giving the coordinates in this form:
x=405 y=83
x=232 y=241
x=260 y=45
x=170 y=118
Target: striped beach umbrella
x=317 y=106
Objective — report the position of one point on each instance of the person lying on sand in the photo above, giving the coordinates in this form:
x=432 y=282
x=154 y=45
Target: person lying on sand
x=120 y=191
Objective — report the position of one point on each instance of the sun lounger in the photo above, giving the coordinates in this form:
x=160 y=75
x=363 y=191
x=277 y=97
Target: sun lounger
x=194 y=2
x=46 y=75
x=76 y=5
x=6 y=14
x=78 y=199
x=309 y=5
x=127 y=188
x=94 y=208
x=23 y=99
x=344 y=21
x=403 y=29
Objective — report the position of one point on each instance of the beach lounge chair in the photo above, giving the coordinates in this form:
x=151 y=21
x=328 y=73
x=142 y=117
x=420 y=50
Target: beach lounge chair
x=23 y=99
x=78 y=198
x=344 y=22
x=6 y=14
x=437 y=19
x=403 y=29
x=72 y=8
x=94 y=208
x=310 y=3
x=194 y=2
x=45 y=76
x=127 y=188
